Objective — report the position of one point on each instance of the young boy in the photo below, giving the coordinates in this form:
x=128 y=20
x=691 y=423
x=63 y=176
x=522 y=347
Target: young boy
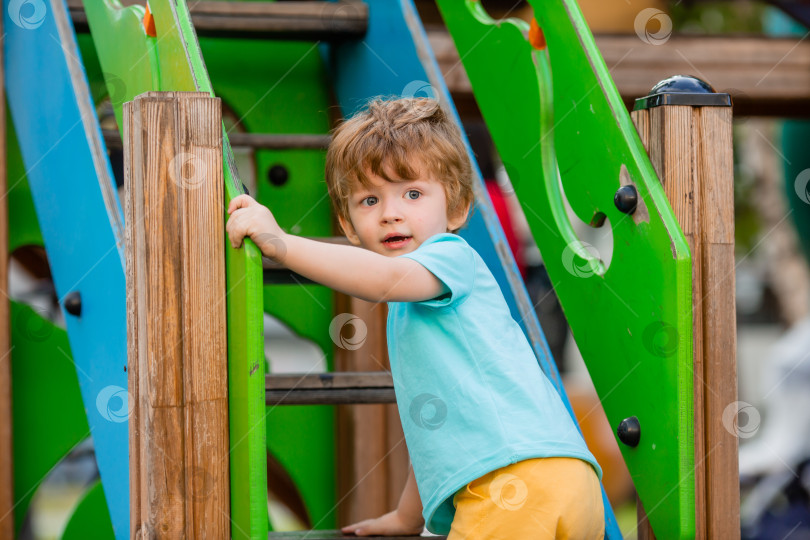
x=494 y=452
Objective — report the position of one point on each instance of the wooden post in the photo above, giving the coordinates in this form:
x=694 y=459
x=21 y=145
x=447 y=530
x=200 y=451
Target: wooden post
x=176 y=317
x=372 y=455
x=6 y=446
x=689 y=143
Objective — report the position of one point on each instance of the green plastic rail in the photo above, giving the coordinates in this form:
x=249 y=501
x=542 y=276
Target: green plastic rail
x=559 y=124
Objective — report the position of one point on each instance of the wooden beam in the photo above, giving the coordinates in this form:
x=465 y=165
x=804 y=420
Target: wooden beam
x=6 y=446
x=372 y=456
x=329 y=388
x=255 y=141
x=292 y=20
x=176 y=324
x=765 y=76
x=691 y=150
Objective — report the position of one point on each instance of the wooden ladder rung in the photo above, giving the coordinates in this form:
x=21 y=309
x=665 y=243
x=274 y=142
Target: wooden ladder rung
x=330 y=535
x=336 y=388
x=277 y=274
x=296 y=21
x=256 y=141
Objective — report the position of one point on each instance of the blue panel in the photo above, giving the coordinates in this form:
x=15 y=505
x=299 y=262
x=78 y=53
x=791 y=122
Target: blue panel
x=395 y=59
x=80 y=217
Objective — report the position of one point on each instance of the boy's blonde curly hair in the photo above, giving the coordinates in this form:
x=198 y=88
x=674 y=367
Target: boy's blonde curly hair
x=399 y=136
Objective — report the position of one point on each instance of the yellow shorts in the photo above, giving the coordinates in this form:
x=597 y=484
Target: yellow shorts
x=532 y=499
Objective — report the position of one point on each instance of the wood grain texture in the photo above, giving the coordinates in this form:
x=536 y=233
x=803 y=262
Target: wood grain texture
x=691 y=150
x=6 y=443
x=372 y=468
x=717 y=305
x=179 y=467
x=131 y=272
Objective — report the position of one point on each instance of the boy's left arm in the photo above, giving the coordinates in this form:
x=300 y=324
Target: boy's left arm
x=351 y=270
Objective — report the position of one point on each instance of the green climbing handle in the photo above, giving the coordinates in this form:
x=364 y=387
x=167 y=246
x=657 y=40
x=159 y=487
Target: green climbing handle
x=562 y=131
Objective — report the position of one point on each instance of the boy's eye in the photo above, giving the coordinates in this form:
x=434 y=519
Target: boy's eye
x=368 y=201
x=413 y=194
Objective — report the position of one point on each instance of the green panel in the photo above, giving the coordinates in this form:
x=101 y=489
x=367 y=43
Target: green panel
x=47 y=409
x=289 y=95
x=172 y=62
x=555 y=114
x=90 y=518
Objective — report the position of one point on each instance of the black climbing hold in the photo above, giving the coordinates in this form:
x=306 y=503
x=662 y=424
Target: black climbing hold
x=626 y=199
x=73 y=303
x=629 y=431
x=278 y=175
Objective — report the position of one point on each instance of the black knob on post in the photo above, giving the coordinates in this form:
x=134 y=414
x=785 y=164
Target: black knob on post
x=73 y=303
x=629 y=431
x=626 y=199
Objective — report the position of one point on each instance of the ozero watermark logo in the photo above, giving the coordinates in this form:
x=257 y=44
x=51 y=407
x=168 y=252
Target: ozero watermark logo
x=116 y=88
x=653 y=26
x=348 y=331
x=423 y=98
x=802 y=186
x=272 y=246
x=661 y=339
x=114 y=403
x=576 y=258
x=27 y=14
x=428 y=411
x=741 y=419
x=200 y=484
x=417 y=89
x=187 y=170
x=508 y=491
x=35 y=325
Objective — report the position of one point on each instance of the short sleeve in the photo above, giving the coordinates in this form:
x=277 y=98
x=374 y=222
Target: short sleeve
x=448 y=257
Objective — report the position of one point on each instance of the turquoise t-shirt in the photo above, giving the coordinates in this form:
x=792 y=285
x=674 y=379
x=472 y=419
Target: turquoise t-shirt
x=472 y=397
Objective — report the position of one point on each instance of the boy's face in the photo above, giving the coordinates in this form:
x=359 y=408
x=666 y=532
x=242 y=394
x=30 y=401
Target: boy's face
x=396 y=218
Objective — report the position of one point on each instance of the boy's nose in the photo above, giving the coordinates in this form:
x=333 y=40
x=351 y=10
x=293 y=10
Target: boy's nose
x=391 y=218
x=391 y=213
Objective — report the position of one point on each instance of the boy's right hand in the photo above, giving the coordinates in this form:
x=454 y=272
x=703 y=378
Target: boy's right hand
x=391 y=524
x=249 y=218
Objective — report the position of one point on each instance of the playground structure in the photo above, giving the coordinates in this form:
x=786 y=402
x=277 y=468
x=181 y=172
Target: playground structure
x=641 y=353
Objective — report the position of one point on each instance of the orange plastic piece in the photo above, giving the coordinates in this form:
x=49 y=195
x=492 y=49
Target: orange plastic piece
x=536 y=37
x=149 y=23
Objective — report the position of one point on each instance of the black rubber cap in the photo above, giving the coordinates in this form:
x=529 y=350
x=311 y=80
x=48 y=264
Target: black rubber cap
x=73 y=303
x=629 y=431
x=682 y=90
x=682 y=84
x=626 y=199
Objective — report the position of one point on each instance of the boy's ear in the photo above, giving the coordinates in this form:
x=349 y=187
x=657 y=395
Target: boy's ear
x=348 y=230
x=455 y=222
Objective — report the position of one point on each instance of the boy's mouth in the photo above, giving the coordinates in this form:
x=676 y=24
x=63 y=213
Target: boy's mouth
x=395 y=241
